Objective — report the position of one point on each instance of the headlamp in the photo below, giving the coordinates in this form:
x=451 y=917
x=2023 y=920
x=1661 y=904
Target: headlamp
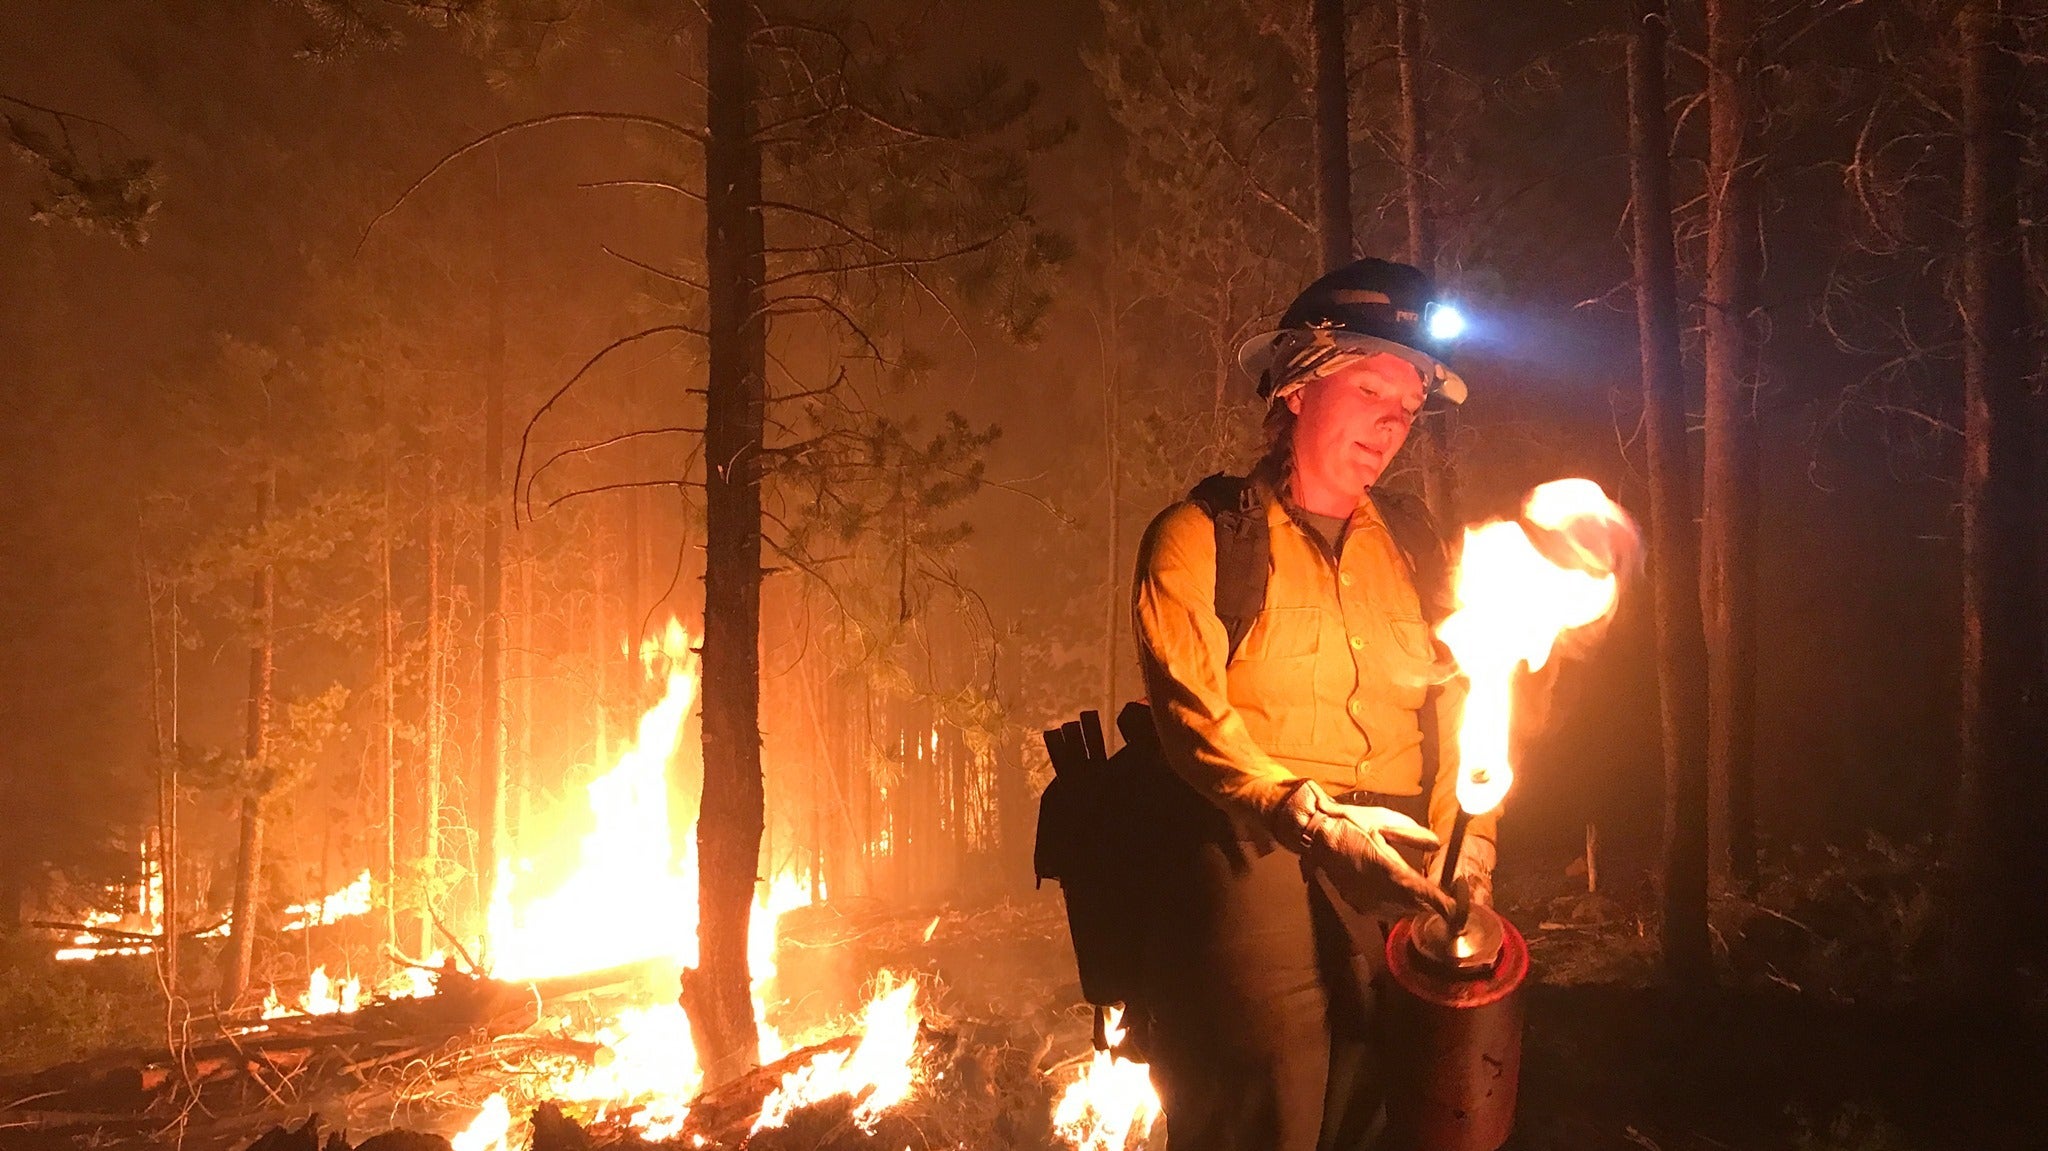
x=1443 y=322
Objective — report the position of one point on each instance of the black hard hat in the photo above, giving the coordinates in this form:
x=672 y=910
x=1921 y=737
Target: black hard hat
x=1364 y=307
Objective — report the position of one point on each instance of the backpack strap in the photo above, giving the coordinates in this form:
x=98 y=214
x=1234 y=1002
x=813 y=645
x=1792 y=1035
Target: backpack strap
x=1243 y=551
x=1422 y=545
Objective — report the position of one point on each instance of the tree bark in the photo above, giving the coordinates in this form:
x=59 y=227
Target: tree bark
x=730 y=818
x=489 y=816
x=430 y=790
x=1439 y=476
x=1414 y=136
x=1681 y=647
x=1729 y=514
x=241 y=952
x=1332 y=134
x=164 y=727
x=387 y=692
x=1996 y=822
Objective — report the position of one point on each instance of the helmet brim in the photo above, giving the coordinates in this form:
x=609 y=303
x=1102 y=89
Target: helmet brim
x=1263 y=353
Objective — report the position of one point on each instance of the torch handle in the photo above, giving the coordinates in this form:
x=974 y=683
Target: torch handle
x=1453 y=849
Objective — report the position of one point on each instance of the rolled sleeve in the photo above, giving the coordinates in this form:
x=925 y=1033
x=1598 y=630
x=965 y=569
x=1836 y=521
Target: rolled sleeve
x=1183 y=651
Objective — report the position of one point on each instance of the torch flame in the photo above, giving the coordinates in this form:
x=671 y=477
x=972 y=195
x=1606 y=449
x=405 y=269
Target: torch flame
x=1513 y=604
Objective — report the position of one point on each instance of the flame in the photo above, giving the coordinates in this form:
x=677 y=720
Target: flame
x=1111 y=1103
x=784 y=893
x=609 y=889
x=1513 y=604
x=351 y=900
x=324 y=996
x=491 y=1130
x=626 y=898
x=146 y=920
x=880 y=1072
x=650 y=1063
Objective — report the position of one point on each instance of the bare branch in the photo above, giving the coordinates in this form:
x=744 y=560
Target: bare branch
x=664 y=185
x=895 y=262
x=824 y=304
x=526 y=435
x=671 y=277
x=623 y=485
x=494 y=134
x=586 y=449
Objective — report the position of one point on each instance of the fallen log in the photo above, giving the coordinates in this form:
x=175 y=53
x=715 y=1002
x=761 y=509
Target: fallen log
x=723 y=1115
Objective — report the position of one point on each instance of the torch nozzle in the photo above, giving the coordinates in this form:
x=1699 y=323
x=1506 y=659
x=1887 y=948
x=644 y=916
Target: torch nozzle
x=1452 y=850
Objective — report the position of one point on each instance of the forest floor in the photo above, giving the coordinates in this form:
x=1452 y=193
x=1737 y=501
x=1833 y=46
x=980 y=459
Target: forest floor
x=1823 y=1034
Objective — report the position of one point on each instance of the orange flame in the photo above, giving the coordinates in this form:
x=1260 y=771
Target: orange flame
x=1112 y=1103
x=880 y=1072
x=1513 y=604
x=351 y=900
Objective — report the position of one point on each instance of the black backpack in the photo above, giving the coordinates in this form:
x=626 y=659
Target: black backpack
x=1103 y=817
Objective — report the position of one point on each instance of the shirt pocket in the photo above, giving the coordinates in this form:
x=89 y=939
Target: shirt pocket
x=1413 y=666
x=1282 y=633
x=1273 y=678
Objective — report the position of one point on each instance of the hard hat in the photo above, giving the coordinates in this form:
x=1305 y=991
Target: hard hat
x=1364 y=307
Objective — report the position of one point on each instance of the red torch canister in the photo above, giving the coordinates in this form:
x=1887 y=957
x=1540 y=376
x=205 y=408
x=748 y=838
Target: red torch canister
x=1454 y=1013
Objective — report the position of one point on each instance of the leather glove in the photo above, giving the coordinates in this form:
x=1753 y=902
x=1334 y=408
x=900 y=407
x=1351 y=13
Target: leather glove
x=1474 y=881
x=1356 y=847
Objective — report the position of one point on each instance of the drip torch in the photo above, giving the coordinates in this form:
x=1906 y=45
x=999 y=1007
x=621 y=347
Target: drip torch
x=1456 y=1013
x=1456 y=1008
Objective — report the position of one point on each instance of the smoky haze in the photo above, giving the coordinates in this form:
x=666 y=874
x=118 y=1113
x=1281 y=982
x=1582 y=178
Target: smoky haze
x=265 y=326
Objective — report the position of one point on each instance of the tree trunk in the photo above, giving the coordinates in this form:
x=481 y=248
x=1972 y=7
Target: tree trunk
x=387 y=756
x=1414 y=137
x=1439 y=476
x=1332 y=134
x=241 y=952
x=729 y=823
x=1994 y=838
x=430 y=790
x=1115 y=605
x=1681 y=647
x=489 y=817
x=1729 y=514
x=164 y=726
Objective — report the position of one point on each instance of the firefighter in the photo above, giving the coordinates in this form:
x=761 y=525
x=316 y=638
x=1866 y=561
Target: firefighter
x=1309 y=724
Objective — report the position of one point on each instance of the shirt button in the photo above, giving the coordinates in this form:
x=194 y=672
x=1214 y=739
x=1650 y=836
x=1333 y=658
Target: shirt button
x=1356 y=707
x=1357 y=643
x=1345 y=579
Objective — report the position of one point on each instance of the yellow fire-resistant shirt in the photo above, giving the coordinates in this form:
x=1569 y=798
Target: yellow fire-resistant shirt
x=1328 y=682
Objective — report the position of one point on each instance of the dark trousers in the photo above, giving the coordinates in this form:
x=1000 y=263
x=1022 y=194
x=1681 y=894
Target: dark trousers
x=1260 y=1017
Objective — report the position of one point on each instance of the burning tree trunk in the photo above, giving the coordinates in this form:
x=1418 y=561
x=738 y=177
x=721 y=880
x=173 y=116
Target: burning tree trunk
x=490 y=793
x=1681 y=647
x=1332 y=134
x=241 y=951
x=2001 y=723
x=1729 y=512
x=730 y=816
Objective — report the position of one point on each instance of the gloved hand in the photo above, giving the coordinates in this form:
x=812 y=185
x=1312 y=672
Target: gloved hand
x=1474 y=881
x=1357 y=847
